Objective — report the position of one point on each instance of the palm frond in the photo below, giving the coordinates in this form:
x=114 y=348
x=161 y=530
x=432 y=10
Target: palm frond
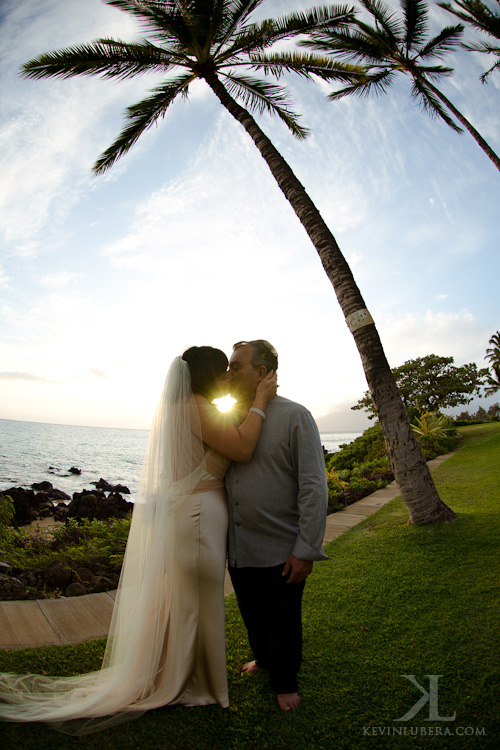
x=259 y=36
x=261 y=96
x=162 y=21
x=109 y=58
x=316 y=18
x=477 y=14
x=359 y=45
x=435 y=72
x=302 y=64
x=446 y=41
x=142 y=116
x=415 y=13
x=488 y=49
x=431 y=104
x=387 y=19
x=364 y=83
x=234 y=17
x=492 y=381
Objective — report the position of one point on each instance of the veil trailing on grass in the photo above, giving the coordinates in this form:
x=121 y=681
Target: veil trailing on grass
x=173 y=466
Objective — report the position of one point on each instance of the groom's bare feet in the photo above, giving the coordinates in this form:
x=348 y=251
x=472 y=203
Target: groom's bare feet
x=250 y=667
x=288 y=701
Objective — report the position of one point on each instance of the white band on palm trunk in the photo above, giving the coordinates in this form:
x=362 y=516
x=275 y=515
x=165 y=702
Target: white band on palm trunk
x=359 y=319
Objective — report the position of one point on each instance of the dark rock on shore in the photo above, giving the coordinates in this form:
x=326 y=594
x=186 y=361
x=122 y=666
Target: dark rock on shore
x=74 y=470
x=42 y=486
x=57 y=578
x=44 y=500
x=25 y=505
x=31 y=506
x=57 y=575
x=102 y=484
x=94 y=504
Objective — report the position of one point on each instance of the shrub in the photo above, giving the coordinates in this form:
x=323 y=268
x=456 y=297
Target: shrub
x=369 y=446
x=437 y=445
x=6 y=510
x=75 y=542
x=432 y=423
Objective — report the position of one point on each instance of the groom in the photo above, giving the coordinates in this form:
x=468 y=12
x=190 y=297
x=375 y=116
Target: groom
x=277 y=516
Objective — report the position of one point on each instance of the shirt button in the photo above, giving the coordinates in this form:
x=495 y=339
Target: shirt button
x=236 y=503
x=238 y=524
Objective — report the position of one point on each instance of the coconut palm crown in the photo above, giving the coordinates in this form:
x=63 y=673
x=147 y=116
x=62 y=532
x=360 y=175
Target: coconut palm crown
x=189 y=39
x=477 y=15
x=396 y=44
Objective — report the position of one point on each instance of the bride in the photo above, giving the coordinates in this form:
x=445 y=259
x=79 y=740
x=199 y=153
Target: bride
x=166 y=640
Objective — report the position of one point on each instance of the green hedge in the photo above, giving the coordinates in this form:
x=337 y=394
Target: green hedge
x=363 y=466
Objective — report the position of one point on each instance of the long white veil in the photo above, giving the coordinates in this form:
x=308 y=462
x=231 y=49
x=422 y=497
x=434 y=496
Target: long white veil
x=172 y=468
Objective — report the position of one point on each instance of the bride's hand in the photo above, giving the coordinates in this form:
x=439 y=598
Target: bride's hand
x=267 y=388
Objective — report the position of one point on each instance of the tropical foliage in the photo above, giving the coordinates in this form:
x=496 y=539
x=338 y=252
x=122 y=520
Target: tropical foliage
x=433 y=423
x=7 y=511
x=391 y=46
x=477 y=15
x=189 y=40
x=431 y=384
x=363 y=466
x=492 y=378
x=76 y=542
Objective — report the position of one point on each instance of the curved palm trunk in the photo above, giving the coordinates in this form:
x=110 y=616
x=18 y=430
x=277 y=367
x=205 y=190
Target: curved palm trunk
x=410 y=469
x=472 y=130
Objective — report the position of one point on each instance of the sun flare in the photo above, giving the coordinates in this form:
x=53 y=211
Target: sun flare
x=225 y=403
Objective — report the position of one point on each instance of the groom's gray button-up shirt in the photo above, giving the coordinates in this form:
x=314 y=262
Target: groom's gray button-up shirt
x=278 y=501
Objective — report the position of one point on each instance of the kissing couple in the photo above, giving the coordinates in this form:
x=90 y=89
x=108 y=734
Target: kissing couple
x=249 y=486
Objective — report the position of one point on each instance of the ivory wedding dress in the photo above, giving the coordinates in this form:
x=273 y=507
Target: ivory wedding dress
x=166 y=642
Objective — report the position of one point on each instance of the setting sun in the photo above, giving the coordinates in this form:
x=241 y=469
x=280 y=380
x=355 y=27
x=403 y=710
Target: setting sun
x=225 y=403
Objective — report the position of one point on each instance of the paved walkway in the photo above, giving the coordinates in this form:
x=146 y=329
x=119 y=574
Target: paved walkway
x=52 y=622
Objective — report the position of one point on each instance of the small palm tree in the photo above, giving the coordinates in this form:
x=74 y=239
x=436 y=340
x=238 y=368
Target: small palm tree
x=396 y=45
x=477 y=15
x=213 y=40
x=432 y=423
x=493 y=352
x=492 y=379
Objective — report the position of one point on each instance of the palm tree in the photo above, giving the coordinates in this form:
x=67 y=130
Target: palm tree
x=493 y=352
x=477 y=14
x=213 y=40
x=396 y=44
x=492 y=381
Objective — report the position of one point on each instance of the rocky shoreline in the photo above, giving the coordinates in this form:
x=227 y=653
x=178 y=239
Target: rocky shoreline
x=37 y=510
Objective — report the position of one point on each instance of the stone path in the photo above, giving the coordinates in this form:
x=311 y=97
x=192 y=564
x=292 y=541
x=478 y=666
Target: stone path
x=52 y=622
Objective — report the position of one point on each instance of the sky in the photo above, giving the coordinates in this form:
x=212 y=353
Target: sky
x=188 y=240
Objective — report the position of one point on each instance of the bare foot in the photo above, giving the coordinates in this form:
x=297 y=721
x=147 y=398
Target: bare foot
x=288 y=701
x=251 y=667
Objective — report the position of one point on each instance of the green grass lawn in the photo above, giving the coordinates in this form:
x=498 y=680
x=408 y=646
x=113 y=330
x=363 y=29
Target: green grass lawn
x=392 y=600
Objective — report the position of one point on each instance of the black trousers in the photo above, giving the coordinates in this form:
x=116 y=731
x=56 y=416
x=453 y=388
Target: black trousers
x=271 y=611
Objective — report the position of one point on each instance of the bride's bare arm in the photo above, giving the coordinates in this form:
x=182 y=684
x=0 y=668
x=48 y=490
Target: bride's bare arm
x=236 y=443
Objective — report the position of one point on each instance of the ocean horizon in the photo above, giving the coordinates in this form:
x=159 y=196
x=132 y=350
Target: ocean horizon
x=40 y=451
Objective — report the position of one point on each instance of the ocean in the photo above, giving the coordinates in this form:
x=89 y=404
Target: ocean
x=36 y=452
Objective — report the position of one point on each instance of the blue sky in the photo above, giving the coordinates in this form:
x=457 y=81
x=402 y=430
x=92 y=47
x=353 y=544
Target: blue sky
x=188 y=240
